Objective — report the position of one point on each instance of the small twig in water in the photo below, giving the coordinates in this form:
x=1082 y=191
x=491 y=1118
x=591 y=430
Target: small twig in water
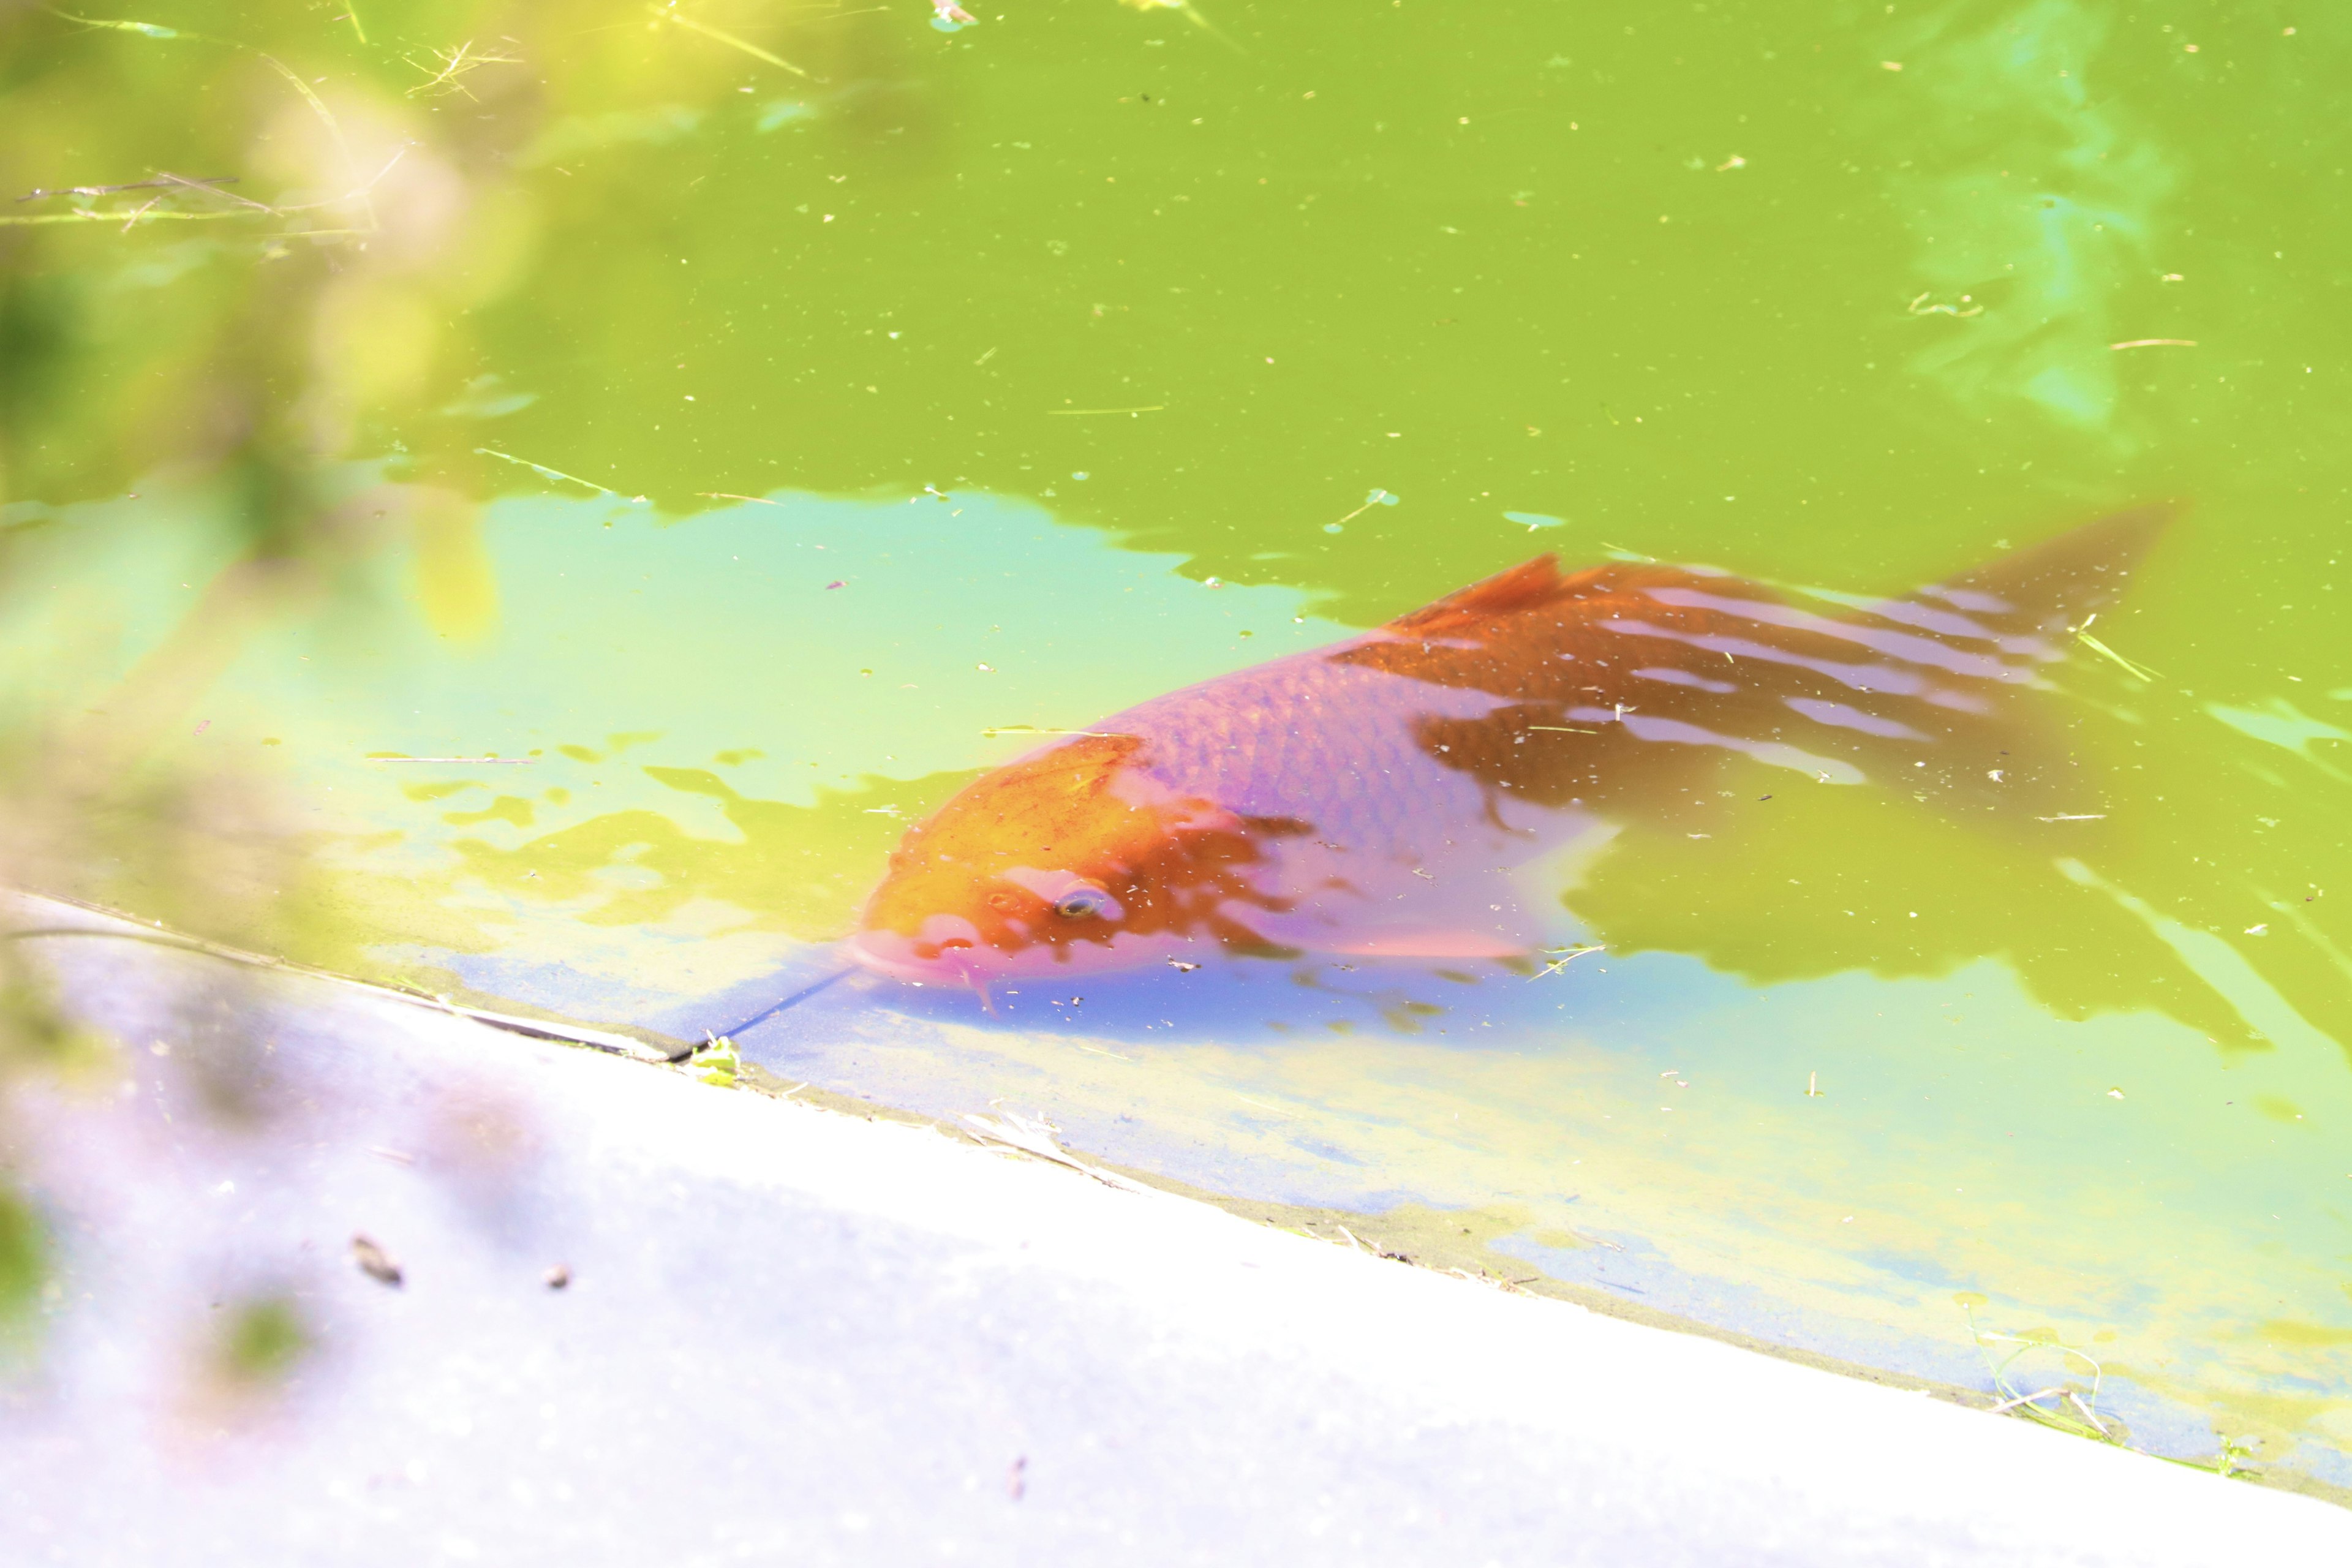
x=2082 y=635
x=455 y=63
x=1377 y=498
x=1031 y=1137
x=2024 y=1399
x=166 y=177
x=2029 y=1402
x=145 y=29
x=1568 y=957
x=668 y=14
x=1920 y=307
x=134 y=185
x=544 y=470
x=318 y=107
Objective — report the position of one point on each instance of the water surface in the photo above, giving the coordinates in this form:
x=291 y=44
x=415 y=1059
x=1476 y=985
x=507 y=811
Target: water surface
x=748 y=422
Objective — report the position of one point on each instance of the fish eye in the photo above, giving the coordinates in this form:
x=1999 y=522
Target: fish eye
x=1082 y=903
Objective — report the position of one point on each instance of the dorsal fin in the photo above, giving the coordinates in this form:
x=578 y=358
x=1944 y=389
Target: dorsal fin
x=1524 y=586
x=2059 y=583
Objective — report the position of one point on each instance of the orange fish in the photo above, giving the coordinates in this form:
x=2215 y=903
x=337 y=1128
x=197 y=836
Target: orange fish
x=1377 y=796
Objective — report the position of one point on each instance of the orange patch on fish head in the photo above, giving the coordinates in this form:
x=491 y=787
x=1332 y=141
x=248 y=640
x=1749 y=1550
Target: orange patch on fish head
x=1033 y=868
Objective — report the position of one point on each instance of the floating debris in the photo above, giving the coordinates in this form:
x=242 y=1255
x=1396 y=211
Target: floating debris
x=167 y=183
x=374 y=1261
x=1036 y=1137
x=669 y=14
x=1567 y=955
x=2082 y=635
x=546 y=472
x=1377 y=498
x=454 y=64
x=1919 y=307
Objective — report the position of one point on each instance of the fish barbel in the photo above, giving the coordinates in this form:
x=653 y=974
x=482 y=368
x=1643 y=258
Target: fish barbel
x=1375 y=797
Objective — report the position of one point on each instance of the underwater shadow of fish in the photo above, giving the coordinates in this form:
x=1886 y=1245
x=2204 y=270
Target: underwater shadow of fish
x=1374 y=797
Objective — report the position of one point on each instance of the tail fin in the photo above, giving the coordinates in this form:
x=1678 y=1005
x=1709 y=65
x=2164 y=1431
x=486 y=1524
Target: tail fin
x=1927 y=693
x=2015 y=753
x=2058 y=585
x=1932 y=693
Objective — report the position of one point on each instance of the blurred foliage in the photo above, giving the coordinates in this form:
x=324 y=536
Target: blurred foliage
x=262 y=1340
x=37 y=1034
x=316 y=205
x=23 y=1261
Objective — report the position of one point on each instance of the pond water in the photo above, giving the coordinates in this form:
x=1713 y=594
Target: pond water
x=537 y=500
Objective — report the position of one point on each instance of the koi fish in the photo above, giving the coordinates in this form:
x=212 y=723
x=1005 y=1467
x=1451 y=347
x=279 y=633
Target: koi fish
x=1381 y=797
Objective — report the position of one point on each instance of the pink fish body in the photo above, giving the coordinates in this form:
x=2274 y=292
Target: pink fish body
x=1377 y=796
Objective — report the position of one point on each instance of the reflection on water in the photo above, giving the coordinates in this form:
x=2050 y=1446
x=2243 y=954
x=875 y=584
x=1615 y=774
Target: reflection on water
x=545 y=502
x=2029 y=250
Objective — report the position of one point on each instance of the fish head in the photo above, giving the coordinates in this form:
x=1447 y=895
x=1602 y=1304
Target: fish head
x=1072 y=859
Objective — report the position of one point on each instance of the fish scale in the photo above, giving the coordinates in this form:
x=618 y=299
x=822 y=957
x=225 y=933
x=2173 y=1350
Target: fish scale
x=1249 y=740
x=1374 y=796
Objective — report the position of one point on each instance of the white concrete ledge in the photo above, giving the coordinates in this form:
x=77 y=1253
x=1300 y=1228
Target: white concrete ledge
x=794 y=1335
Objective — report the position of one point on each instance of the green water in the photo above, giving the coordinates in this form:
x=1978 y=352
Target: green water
x=527 y=400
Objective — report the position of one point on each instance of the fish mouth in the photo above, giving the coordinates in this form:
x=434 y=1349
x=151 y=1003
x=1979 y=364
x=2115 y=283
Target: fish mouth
x=950 y=950
x=947 y=948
